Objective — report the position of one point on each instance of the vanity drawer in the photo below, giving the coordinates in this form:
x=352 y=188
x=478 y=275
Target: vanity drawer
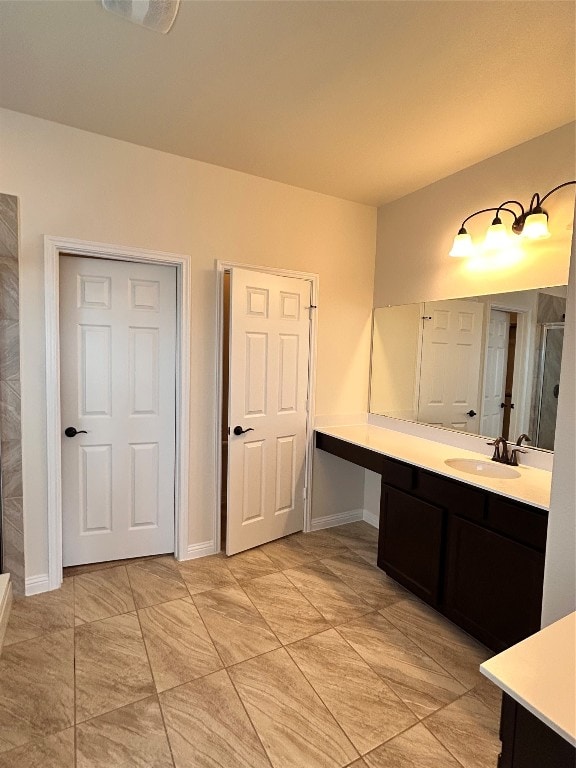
x=457 y=498
x=364 y=457
x=398 y=475
x=523 y=524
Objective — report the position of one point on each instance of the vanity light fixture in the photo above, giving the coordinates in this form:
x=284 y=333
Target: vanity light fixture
x=531 y=224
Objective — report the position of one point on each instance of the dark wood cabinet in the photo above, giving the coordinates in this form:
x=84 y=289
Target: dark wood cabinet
x=473 y=555
x=527 y=742
x=493 y=584
x=410 y=541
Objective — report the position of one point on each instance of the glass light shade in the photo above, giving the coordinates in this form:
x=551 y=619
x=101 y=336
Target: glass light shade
x=496 y=238
x=462 y=246
x=536 y=227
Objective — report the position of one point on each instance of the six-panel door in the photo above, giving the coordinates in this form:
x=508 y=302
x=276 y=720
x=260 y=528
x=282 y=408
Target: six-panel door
x=118 y=347
x=269 y=355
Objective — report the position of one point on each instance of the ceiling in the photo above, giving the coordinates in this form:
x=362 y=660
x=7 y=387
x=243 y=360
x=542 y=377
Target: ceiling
x=366 y=101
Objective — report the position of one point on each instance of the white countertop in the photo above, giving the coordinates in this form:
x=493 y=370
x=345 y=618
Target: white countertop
x=532 y=487
x=540 y=674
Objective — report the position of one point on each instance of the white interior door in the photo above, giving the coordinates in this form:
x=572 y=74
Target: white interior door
x=495 y=373
x=450 y=366
x=268 y=395
x=118 y=363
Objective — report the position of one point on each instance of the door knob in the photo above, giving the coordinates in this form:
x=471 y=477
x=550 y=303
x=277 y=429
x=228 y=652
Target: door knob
x=72 y=432
x=240 y=431
x=471 y=414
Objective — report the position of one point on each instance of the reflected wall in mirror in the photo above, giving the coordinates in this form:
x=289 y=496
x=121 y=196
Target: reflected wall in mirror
x=487 y=365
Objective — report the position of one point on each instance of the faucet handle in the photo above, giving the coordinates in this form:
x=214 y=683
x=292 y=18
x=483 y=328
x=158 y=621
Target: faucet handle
x=496 y=454
x=514 y=457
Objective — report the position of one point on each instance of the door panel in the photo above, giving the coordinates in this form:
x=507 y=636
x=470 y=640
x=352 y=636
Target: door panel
x=450 y=364
x=268 y=395
x=118 y=377
x=495 y=373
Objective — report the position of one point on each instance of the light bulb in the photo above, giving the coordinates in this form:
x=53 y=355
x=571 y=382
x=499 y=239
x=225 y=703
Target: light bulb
x=536 y=226
x=462 y=245
x=496 y=236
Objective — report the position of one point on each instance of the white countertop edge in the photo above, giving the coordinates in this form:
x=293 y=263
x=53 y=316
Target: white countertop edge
x=570 y=737
x=440 y=468
x=534 y=673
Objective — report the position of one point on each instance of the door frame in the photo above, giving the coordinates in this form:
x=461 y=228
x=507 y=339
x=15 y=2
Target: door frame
x=225 y=266
x=53 y=247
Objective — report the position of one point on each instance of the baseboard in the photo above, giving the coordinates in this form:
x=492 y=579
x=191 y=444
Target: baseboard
x=202 y=549
x=37 y=584
x=341 y=518
x=5 y=605
x=371 y=519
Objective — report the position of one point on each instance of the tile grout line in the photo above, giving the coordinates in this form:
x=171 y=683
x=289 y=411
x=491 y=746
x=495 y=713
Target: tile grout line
x=156 y=696
x=415 y=641
x=241 y=700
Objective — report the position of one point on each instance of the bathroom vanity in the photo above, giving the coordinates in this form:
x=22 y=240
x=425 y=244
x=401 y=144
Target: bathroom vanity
x=470 y=545
x=538 y=678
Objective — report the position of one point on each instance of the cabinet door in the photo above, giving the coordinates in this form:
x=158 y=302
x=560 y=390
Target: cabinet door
x=409 y=544
x=493 y=585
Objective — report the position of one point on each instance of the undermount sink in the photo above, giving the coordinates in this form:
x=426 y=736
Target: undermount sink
x=483 y=468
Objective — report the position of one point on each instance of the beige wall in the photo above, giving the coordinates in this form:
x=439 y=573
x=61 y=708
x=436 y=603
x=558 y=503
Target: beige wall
x=415 y=233
x=79 y=185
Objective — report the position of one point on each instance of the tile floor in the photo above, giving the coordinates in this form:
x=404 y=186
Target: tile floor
x=299 y=654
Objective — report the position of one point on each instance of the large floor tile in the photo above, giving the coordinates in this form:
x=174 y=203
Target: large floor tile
x=40 y=614
x=489 y=694
x=79 y=570
x=416 y=748
x=366 y=709
x=100 y=594
x=250 y=565
x=327 y=593
x=356 y=534
x=453 y=649
x=469 y=730
x=289 y=615
x=368 y=552
x=294 y=725
x=422 y=684
x=206 y=573
x=112 y=667
x=238 y=630
x=376 y=588
x=287 y=553
x=208 y=727
x=55 y=751
x=178 y=645
x=321 y=544
x=156 y=581
x=36 y=688
x=130 y=737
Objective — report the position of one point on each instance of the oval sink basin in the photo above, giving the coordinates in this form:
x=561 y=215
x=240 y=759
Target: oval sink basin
x=483 y=468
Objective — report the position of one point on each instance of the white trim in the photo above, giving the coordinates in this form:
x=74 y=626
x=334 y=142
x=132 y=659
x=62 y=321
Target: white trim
x=371 y=519
x=340 y=518
x=37 y=584
x=53 y=246
x=224 y=266
x=202 y=549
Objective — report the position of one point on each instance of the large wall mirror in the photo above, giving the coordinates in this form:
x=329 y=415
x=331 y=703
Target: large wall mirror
x=486 y=365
